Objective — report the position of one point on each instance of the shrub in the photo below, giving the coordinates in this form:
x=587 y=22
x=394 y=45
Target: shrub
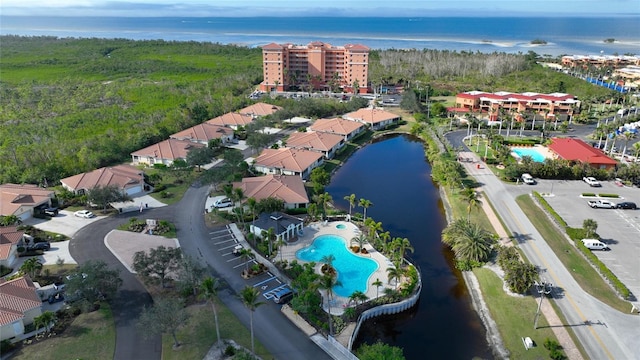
x=229 y=351
x=6 y=346
x=588 y=194
x=615 y=196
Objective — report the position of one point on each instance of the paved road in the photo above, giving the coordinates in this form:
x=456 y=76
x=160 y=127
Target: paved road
x=283 y=339
x=604 y=333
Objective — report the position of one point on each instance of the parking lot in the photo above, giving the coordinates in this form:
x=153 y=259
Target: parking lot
x=619 y=229
x=225 y=242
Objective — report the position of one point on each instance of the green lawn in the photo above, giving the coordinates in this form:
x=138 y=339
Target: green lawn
x=90 y=336
x=584 y=274
x=200 y=334
x=514 y=317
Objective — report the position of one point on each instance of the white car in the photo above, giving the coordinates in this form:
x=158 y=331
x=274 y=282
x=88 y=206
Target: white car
x=591 y=181
x=84 y=214
x=223 y=203
x=601 y=204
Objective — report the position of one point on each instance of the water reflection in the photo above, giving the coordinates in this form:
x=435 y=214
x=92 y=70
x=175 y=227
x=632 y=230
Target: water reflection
x=394 y=175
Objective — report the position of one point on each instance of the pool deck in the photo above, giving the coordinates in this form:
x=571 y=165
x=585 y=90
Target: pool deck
x=339 y=303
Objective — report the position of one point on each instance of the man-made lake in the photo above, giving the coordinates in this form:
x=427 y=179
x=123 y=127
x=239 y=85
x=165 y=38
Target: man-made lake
x=394 y=175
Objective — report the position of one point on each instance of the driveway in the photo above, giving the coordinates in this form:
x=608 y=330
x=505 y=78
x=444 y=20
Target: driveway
x=65 y=223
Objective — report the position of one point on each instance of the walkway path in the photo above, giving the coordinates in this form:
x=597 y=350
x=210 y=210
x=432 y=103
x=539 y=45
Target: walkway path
x=605 y=333
x=547 y=310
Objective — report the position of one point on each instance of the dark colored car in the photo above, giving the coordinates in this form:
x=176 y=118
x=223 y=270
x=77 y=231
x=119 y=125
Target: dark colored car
x=626 y=205
x=40 y=246
x=52 y=211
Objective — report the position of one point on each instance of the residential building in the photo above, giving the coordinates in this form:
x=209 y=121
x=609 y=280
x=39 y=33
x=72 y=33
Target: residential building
x=205 y=132
x=127 y=178
x=259 y=109
x=165 y=152
x=549 y=105
x=19 y=306
x=288 y=188
x=23 y=200
x=325 y=143
x=318 y=65
x=577 y=151
x=598 y=61
x=286 y=227
x=374 y=117
x=232 y=120
x=288 y=161
x=10 y=239
x=345 y=128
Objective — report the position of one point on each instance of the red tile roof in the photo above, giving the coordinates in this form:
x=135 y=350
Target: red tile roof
x=371 y=115
x=9 y=235
x=259 y=109
x=578 y=150
x=288 y=188
x=297 y=160
x=202 y=132
x=336 y=125
x=16 y=297
x=170 y=149
x=313 y=140
x=13 y=196
x=122 y=176
x=231 y=119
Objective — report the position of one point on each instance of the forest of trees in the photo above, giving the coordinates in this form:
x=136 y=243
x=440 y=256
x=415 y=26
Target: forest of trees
x=71 y=105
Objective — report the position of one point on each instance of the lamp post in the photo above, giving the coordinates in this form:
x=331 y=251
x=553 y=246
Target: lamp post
x=544 y=289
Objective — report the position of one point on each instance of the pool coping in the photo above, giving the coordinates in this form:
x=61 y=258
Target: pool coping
x=314 y=230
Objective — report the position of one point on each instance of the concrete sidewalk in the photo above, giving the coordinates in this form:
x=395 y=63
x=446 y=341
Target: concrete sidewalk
x=474 y=166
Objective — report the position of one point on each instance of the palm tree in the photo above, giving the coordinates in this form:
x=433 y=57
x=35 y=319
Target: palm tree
x=44 y=320
x=377 y=284
x=394 y=273
x=9 y=220
x=472 y=198
x=252 y=203
x=269 y=235
x=365 y=204
x=590 y=226
x=469 y=241
x=358 y=297
x=636 y=147
x=403 y=244
x=249 y=296
x=627 y=136
x=209 y=292
x=373 y=228
x=322 y=200
x=245 y=255
x=328 y=260
x=31 y=267
x=385 y=238
x=360 y=239
x=327 y=282
x=352 y=201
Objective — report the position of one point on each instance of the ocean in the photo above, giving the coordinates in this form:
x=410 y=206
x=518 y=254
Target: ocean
x=584 y=36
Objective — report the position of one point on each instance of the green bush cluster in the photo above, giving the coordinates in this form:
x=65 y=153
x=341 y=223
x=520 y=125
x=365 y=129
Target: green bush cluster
x=615 y=196
x=555 y=350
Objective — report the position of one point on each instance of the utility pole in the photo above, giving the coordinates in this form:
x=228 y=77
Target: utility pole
x=544 y=289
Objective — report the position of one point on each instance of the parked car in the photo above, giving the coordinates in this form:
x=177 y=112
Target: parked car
x=84 y=214
x=528 y=179
x=594 y=244
x=591 y=181
x=51 y=211
x=283 y=296
x=602 y=204
x=223 y=203
x=626 y=205
x=45 y=246
x=237 y=250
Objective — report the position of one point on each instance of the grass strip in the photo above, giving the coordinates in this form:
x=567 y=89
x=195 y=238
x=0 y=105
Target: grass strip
x=584 y=274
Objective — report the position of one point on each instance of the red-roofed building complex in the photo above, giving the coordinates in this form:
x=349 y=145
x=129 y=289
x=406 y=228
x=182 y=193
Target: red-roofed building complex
x=19 y=306
x=317 y=65
x=22 y=200
x=127 y=178
x=345 y=128
x=288 y=188
x=575 y=150
x=259 y=109
x=549 y=105
x=325 y=143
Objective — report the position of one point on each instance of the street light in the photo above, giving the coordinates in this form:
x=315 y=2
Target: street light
x=544 y=289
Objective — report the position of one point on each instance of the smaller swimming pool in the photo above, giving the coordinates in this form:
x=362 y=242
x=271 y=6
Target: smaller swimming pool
x=341 y=226
x=533 y=153
x=353 y=271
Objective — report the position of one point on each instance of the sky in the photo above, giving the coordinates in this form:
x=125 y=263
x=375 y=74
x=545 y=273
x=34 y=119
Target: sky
x=297 y=8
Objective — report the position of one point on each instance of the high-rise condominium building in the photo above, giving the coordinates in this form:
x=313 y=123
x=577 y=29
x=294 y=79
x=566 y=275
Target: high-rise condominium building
x=317 y=66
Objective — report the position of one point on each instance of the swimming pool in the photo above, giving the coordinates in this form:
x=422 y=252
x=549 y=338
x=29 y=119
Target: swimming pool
x=536 y=155
x=353 y=271
x=341 y=226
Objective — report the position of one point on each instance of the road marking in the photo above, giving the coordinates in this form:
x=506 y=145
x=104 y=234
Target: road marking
x=557 y=281
x=225 y=241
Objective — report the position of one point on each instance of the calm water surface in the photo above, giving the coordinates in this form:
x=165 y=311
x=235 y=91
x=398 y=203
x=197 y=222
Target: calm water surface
x=393 y=173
